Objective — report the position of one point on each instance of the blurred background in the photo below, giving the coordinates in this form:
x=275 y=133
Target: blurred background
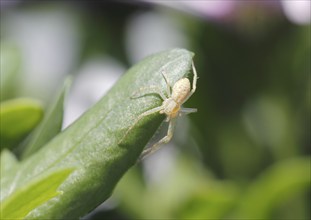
x=243 y=155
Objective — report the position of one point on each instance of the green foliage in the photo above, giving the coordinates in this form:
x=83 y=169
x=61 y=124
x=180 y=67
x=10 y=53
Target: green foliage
x=198 y=194
x=278 y=183
x=18 y=118
x=91 y=145
x=202 y=196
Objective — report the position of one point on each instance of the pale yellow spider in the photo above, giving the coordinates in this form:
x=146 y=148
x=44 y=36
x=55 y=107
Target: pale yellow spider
x=171 y=106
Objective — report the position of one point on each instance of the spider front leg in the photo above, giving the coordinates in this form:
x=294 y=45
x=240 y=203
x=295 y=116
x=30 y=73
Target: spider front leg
x=151 y=90
x=148 y=91
x=160 y=143
x=154 y=90
x=194 y=82
x=168 y=87
x=146 y=113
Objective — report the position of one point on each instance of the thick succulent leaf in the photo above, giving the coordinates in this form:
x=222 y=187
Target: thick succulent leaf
x=18 y=118
x=50 y=126
x=93 y=143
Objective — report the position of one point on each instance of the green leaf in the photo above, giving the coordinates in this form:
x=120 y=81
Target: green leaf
x=276 y=184
x=50 y=126
x=18 y=118
x=35 y=193
x=92 y=145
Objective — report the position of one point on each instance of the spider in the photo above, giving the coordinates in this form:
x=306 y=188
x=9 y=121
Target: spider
x=171 y=107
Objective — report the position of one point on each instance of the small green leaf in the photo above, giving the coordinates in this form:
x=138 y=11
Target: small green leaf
x=92 y=144
x=18 y=118
x=28 y=197
x=50 y=125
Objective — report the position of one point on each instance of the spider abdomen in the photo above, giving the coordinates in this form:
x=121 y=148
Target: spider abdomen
x=181 y=90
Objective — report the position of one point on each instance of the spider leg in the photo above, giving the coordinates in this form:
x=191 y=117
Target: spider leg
x=185 y=111
x=194 y=82
x=148 y=91
x=168 y=87
x=149 y=112
x=195 y=78
x=160 y=143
